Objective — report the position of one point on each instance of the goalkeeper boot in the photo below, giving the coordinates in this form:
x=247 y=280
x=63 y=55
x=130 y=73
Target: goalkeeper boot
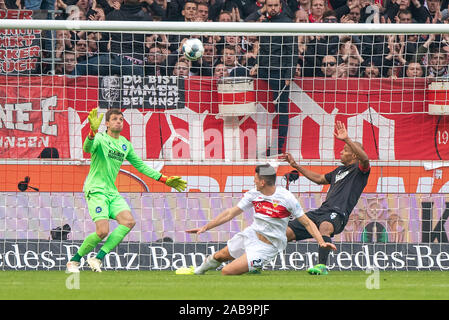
x=318 y=270
x=186 y=271
x=73 y=267
x=94 y=264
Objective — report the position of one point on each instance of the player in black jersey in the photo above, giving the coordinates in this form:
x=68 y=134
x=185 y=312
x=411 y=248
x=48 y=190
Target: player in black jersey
x=346 y=185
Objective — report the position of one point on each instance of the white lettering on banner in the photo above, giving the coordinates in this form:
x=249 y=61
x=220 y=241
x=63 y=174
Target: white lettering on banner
x=161 y=257
x=22 y=116
x=48 y=115
x=24 y=142
x=421 y=257
x=21 y=120
x=395 y=257
x=129 y=265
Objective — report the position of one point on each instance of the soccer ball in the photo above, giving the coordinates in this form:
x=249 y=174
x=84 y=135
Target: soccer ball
x=193 y=49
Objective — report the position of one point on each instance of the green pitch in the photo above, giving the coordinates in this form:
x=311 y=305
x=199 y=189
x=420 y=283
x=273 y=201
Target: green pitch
x=165 y=285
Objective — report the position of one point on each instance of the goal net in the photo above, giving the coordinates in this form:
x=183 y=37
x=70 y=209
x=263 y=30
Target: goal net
x=212 y=121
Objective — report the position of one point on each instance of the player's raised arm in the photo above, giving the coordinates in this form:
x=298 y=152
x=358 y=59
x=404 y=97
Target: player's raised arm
x=94 y=123
x=222 y=218
x=342 y=134
x=309 y=174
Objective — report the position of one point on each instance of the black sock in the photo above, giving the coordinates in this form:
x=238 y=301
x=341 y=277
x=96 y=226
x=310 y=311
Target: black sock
x=323 y=253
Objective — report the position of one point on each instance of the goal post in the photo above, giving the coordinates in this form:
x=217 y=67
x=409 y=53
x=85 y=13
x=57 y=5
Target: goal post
x=211 y=122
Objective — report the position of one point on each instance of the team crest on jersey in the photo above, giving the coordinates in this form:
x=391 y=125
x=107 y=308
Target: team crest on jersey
x=124 y=147
x=98 y=209
x=341 y=175
x=275 y=203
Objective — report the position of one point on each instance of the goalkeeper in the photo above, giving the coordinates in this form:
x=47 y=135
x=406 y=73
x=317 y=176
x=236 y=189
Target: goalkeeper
x=104 y=202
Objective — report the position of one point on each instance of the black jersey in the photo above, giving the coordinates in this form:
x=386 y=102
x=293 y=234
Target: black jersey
x=347 y=184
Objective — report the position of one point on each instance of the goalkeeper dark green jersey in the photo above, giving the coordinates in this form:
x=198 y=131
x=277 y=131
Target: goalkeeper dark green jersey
x=108 y=155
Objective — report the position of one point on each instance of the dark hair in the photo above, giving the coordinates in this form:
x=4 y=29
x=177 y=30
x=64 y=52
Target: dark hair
x=111 y=112
x=267 y=173
x=329 y=13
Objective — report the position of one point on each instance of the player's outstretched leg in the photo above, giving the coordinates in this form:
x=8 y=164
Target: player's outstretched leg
x=212 y=262
x=209 y=264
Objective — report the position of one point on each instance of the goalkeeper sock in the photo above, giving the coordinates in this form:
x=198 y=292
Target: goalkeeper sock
x=323 y=253
x=113 y=240
x=88 y=245
x=209 y=264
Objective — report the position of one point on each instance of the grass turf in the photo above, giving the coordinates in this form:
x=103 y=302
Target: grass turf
x=272 y=285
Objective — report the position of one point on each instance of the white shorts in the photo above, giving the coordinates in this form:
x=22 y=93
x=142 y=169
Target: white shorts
x=258 y=253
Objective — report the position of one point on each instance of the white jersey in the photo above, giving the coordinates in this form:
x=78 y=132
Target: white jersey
x=272 y=213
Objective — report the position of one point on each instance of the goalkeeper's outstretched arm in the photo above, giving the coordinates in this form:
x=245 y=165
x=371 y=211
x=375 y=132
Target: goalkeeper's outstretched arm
x=173 y=181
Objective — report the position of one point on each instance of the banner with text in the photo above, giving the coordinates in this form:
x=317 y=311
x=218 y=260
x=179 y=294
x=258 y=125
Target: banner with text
x=53 y=255
x=168 y=118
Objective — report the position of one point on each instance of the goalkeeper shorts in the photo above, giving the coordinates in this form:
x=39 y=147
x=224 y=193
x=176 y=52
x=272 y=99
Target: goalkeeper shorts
x=105 y=206
x=258 y=253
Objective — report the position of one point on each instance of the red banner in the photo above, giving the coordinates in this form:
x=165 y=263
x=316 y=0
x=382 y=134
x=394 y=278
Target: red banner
x=389 y=116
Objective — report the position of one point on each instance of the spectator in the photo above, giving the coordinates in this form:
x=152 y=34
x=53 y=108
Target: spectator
x=156 y=62
x=353 y=64
x=434 y=9
x=305 y=5
x=329 y=67
x=220 y=71
x=81 y=50
x=182 y=68
x=250 y=49
x=438 y=65
x=394 y=60
x=189 y=14
x=347 y=48
x=202 y=12
x=39 y=4
x=414 y=70
x=230 y=60
x=317 y=9
x=67 y=63
x=370 y=70
x=174 y=10
x=224 y=16
x=154 y=9
x=316 y=47
x=126 y=49
x=419 y=12
x=301 y=16
x=354 y=14
x=63 y=42
x=277 y=61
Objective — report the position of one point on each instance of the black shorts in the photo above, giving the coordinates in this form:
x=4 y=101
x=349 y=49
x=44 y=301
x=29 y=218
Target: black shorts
x=318 y=217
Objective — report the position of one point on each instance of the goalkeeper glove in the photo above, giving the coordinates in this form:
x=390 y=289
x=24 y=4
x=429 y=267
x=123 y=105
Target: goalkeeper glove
x=174 y=182
x=94 y=122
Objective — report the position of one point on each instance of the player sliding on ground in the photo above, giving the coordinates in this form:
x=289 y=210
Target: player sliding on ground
x=346 y=185
x=265 y=238
x=104 y=202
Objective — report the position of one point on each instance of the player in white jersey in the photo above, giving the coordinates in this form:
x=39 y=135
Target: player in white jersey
x=259 y=243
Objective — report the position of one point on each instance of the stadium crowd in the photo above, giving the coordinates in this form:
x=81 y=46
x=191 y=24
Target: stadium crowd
x=101 y=53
